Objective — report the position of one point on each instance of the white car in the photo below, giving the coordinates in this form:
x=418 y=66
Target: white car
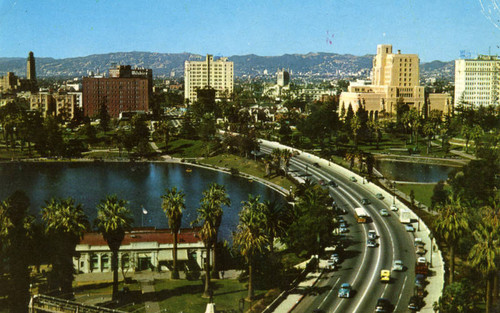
x=384 y=212
x=372 y=234
x=394 y=207
x=398 y=266
x=409 y=228
x=371 y=243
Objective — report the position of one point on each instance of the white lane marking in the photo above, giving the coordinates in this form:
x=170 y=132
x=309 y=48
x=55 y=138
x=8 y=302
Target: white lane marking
x=379 y=257
x=328 y=295
x=400 y=294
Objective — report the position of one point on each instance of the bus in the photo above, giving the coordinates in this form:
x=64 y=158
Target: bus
x=361 y=215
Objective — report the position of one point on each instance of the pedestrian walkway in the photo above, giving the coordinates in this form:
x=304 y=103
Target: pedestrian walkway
x=148 y=291
x=295 y=296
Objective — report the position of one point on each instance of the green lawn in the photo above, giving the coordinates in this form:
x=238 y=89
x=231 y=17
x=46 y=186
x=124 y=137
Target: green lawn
x=247 y=166
x=187 y=148
x=423 y=192
x=185 y=296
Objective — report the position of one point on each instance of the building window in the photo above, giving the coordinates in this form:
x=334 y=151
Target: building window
x=105 y=262
x=94 y=262
x=125 y=261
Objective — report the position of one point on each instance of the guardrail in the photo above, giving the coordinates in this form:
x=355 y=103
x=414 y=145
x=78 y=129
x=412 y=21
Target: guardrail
x=43 y=303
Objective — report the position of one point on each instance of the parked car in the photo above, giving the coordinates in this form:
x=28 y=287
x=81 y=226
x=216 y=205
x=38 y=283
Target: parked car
x=316 y=164
x=420 y=250
x=398 y=266
x=379 y=196
x=372 y=234
x=384 y=212
x=419 y=281
x=345 y=291
x=365 y=201
x=353 y=179
x=415 y=303
x=331 y=265
x=343 y=229
x=409 y=228
x=394 y=207
x=371 y=243
x=383 y=306
x=335 y=258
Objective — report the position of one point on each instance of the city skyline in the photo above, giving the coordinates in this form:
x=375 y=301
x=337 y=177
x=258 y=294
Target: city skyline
x=437 y=30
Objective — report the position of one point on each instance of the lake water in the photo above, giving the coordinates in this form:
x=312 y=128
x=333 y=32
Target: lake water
x=141 y=184
x=413 y=172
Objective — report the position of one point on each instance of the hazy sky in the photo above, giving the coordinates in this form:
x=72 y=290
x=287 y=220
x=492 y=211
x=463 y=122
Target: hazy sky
x=434 y=29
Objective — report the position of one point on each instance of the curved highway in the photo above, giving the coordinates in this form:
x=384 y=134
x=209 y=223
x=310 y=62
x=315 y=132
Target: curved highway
x=360 y=265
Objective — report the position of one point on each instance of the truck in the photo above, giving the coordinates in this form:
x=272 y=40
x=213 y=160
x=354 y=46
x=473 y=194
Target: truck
x=405 y=216
x=421 y=267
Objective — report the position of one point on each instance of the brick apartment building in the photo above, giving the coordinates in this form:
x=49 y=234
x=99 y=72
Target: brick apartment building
x=126 y=89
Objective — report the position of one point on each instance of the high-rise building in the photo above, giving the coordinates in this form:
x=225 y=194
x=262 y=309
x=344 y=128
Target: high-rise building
x=216 y=74
x=395 y=76
x=126 y=89
x=61 y=104
x=283 y=78
x=477 y=81
x=30 y=67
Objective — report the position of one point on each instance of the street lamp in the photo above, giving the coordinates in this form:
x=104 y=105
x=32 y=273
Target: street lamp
x=432 y=237
x=394 y=192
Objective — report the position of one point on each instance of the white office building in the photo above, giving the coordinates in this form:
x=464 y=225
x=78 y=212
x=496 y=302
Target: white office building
x=216 y=74
x=477 y=81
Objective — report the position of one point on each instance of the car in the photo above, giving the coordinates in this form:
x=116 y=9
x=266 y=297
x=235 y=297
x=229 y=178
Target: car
x=409 y=228
x=316 y=164
x=353 y=179
x=345 y=291
x=343 y=229
x=419 y=281
x=394 y=207
x=371 y=243
x=335 y=258
x=332 y=183
x=341 y=219
x=397 y=266
x=420 y=250
x=334 y=203
x=331 y=265
x=384 y=212
x=415 y=303
x=385 y=276
x=321 y=182
x=342 y=223
x=379 y=196
x=383 y=306
x=421 y=260
x=418 y=241
x=372 y=234
x=365 y=201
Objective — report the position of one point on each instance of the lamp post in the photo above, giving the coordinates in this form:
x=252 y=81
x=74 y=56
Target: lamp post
x=432 y=237
x=394 y=192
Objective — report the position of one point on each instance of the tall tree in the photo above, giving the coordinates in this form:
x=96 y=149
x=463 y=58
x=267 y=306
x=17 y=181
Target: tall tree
x=15 y=226
x=65 y=223
x=216 y=197
x=173 y=205
x=113 y=220
x=451 y=225
x=250 y=236
x=277 y=218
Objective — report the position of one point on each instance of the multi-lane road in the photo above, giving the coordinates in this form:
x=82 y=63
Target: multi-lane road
x=360 y=265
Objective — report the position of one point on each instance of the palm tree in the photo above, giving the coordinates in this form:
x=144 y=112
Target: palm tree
x=276 y=219
x=286 y=156
x=485 y=253
x=451 y=224
x=173 y=205
x=113 y=220
x=250 y=236
x=65 y=223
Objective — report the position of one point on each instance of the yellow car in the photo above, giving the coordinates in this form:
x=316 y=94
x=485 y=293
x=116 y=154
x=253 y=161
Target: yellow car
x=385 y=276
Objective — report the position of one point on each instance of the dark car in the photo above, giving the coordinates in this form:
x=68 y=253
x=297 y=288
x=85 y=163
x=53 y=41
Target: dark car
x=383 y=306
x=415 y=303
x=419 y=281
x=316 y=164
x=365 y=201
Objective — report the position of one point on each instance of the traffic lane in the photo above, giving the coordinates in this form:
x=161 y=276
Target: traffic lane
x=400 y=285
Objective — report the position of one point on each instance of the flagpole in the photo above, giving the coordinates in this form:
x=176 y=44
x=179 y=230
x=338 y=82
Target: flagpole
x=142 y=216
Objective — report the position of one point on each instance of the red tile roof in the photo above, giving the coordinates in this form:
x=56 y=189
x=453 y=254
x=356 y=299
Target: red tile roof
x=162 y=236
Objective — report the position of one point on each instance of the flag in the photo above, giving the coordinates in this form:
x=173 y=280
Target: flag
x=144 y=211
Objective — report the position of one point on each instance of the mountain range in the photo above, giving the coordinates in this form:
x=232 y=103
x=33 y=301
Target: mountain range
x=163 y=64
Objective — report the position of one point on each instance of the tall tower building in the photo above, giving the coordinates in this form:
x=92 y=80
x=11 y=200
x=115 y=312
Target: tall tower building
x=477 y=81
x=209 y=73
x=283 y=78
x=30 y=67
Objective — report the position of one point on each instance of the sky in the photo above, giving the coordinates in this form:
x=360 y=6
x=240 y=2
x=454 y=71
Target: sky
x=434 y=29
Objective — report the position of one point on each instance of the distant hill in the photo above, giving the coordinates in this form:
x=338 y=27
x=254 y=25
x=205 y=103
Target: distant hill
x=320 y=64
